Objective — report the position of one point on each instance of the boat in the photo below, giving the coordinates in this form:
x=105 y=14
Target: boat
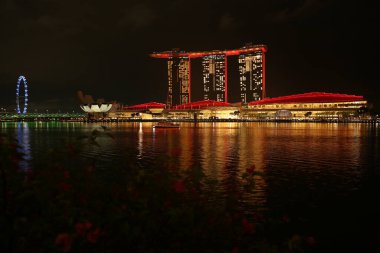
x=166 y=124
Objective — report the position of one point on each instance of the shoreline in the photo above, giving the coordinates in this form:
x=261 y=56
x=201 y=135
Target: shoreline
x=108 y=120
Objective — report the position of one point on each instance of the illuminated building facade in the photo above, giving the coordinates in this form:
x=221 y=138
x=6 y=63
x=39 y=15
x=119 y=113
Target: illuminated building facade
x=307 y=106
x=96 y=111
x=251 y=73
x=146 y=111
x=313 y=105
x=204 y=110
x=214 y=77
x=178 y=81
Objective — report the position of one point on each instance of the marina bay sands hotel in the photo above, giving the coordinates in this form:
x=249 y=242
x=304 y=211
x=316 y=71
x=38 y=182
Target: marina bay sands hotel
x=254 y=105
x=215 y=81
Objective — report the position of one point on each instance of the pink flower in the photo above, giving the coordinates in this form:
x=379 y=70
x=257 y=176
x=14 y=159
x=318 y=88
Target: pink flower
x=179 y=186
x=248 y=227
x=65 y=186
x=66 y=174
x=93 y=235
x=286 y=218
x=63 y=240
x=251 y=169
x=235 y=250
x=193 y=190
x=82 y=228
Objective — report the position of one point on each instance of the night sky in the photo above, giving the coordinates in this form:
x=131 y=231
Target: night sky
x=102 y=47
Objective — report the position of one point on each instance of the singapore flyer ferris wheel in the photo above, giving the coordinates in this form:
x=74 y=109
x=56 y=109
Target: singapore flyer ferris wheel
x=22 y=95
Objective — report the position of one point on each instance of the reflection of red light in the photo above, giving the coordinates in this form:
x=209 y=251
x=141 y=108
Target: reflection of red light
x=311 y=97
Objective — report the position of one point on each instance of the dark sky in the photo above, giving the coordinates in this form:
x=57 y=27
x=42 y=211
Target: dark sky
x=102 y=47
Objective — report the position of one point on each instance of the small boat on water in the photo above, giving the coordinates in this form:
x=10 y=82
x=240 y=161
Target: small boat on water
x=166 y=124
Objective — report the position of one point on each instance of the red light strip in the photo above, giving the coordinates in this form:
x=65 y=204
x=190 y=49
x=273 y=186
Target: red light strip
x=207 y=53
x=225 y=80
x=189 y=77
x=312 y=97
x=264 y=80
x=146 y=106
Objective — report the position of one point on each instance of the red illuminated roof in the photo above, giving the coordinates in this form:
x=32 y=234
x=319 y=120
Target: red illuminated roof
x=311 y=97
x=200 y=105
x=171 y=54
x=146 y=106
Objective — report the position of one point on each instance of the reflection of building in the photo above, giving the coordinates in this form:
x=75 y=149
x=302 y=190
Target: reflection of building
x=213 y=151
x=186 y=148
x=251 y=149
x=251 y=70
x=214 y=77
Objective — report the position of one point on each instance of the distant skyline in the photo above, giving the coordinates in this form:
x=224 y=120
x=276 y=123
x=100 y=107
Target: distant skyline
x=103 y=47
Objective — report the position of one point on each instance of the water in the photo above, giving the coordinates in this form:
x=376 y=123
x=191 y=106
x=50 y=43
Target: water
x=310 y=156
x=306 y=170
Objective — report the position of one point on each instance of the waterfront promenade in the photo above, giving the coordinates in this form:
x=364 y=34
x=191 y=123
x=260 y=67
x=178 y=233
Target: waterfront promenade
x=43 y=117
x=80 y=117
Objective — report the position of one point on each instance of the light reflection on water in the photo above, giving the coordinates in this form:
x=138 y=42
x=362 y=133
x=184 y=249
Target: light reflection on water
x=24 y=145
x=294 y=160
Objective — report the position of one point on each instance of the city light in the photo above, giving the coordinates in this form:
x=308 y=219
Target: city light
x=19 y=102
x=215 y=74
